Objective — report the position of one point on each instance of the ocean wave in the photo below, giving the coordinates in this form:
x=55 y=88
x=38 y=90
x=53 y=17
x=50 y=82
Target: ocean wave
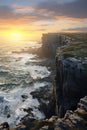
x=17 y=80
x=12 y=104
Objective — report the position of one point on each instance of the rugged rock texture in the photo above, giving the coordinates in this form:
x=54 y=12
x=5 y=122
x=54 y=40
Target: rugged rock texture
x=76 y=120
x=70 y=83
x=44 y=96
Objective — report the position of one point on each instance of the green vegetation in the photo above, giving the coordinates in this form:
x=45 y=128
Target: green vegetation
x=78 y=48
x=77 y=37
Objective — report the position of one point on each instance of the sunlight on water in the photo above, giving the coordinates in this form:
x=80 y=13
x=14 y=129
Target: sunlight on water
x=17 y=43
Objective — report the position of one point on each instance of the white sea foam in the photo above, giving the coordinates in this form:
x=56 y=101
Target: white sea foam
x=12 y=103
x=35 y=71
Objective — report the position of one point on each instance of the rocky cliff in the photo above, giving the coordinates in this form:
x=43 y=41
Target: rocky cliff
x=76 y=120
x=71 y=76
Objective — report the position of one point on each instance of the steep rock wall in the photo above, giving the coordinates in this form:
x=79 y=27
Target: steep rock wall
x=70 y=82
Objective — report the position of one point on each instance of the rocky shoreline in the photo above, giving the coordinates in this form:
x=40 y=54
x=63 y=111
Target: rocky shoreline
x=65 y=103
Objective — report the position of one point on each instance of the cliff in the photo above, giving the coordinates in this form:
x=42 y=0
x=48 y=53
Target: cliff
x=71 y=76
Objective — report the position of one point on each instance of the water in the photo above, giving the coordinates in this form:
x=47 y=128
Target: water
x=18 y=78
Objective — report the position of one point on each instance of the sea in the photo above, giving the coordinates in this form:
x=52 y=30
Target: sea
x=20 y=75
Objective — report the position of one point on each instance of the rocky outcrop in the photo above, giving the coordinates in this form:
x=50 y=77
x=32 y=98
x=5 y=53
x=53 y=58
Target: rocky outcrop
x=76 y=120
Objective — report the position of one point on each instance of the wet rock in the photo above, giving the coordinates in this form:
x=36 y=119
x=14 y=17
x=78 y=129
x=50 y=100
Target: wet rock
x=28 y=110
x=44 y=96
x=4 y=126
x=8 y=116
x=1 y=99
x=27 y=119
x=76 y=120
x=24 y=97
x=6 y=110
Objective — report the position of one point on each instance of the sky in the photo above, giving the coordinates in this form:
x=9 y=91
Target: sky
x=30 y=18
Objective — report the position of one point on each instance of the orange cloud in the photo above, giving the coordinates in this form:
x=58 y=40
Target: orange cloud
x=22 y=8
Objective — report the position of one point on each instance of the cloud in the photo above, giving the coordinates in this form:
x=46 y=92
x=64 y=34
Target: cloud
x=20 y=8
x=33 y=30
x=75 y=9
x=5 y=12
x=4 y=28
x=79 y=29
x=8 y=13
x=44 y=11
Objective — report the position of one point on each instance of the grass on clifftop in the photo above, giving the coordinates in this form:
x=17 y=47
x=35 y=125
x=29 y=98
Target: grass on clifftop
x=78 y=48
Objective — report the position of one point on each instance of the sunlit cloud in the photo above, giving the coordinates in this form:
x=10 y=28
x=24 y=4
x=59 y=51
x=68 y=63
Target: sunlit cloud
x=79 y=29
x=75 y=9
x=40 y=16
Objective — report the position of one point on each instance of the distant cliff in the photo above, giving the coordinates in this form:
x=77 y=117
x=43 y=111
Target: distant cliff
x=51 y=41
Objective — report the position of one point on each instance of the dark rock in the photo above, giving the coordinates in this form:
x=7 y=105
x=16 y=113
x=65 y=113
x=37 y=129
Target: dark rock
x=27 y=119
x=24 y=97
x=1 y=99
x=70 y=83
x=74 y=120
x=44 y=96
x=5 y=125
x=29 y=111
x=8 y=116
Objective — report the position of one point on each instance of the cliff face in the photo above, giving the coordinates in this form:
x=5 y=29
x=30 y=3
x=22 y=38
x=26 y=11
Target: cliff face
x=71 y=83
x=71 y=78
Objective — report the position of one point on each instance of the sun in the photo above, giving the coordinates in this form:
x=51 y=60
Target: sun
x=15 y=35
